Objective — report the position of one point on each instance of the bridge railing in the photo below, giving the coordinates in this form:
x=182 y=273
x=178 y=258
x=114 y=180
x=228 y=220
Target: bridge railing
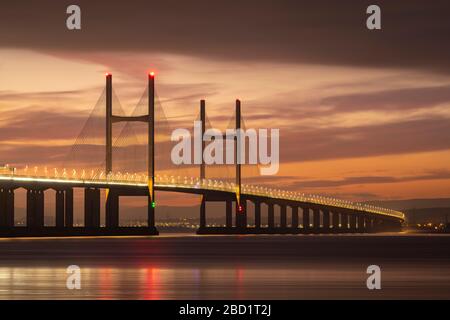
x=139 y=179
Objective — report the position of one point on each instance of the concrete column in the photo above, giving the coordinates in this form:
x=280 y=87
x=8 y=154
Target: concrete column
x=68 y=221
x=35 y=208
x=91 y=208
x=344 y=221
x=3 y=212
x=361 y=222
x=112 y=211
x=39 y=208
x=271 y=216
x=6 y=207
x=305 y=218
x=371 y=223
x=241 y=216
x=10 y=208
x=203 y=212
x=294 y=217
x=31 y=208
x=150 y=211
x=87 y=208
x=229 y=213
x=257 y=214
x=96 y=208
x=326 y=219
x=335 y=220
x=352 y=222
x=283 y=216
x=59 y=208
x=316 y=219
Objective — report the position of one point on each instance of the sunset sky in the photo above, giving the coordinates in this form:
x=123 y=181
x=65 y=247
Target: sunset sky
x=362 y=114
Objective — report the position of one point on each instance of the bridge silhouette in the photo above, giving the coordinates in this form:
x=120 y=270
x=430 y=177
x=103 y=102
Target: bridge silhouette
x=318 y=214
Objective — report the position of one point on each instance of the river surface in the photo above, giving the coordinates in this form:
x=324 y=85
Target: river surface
x=183 y=266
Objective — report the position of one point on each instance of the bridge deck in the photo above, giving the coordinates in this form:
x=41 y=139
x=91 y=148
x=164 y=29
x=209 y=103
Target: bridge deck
x=137 y=185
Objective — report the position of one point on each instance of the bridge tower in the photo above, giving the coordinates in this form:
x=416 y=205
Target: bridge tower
x=240 y=208
x=241 y=216
x=112 y=198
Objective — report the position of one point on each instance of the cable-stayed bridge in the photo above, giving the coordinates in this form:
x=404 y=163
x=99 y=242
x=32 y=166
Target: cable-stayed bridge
x=121 y=154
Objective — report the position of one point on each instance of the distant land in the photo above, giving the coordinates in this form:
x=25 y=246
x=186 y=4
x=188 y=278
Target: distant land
x=420 y=211
x=412 y=203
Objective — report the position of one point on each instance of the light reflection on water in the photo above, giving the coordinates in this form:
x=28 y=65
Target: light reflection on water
x=155 y=283
x=226 y=268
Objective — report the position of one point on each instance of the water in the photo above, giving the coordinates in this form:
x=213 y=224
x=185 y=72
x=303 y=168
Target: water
x=181 y=266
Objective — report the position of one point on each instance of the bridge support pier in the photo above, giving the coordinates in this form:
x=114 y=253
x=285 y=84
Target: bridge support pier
x=344 y=222
x=64 y=208
x=35 y=208
x=294 y=223
x=6 y=207
x=352 y=218
x=326 y=220
x=257 y=214
x=150 y=214
x=270 y=216
x=361 y=226
x=306 y=226
x=59 y=208
x=370 y=223
x=68 y=221
x=316 y=219
x=283 y=216
x=335 y=221
x=92 y=208
x=203 y=212
x=241 y=216
x=112 y=210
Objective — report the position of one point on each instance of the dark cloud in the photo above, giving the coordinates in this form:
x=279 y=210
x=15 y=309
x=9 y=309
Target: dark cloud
x=369 y=180
x=393 y=138
x=12 y=95
x=299 y=144
x=399 y=99
x=43 y=155
x=40 y=125
x=414 y=33
x=385 y=100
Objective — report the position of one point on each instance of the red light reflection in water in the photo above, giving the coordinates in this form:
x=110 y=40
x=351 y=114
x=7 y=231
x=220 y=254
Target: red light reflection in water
x=152 y=284
x=105 y=278
x=239 y=283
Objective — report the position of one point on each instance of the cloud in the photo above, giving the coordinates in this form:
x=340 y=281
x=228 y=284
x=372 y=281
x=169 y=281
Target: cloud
x=35 y=124
x=399 y=99
x=369 y=180
x=321 y=32
x=27 y=129
x=392 y=138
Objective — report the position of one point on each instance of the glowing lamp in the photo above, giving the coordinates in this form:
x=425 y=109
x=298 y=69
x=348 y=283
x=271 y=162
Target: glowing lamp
x=152 y=74
x=240 y=208
x=153 y=204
